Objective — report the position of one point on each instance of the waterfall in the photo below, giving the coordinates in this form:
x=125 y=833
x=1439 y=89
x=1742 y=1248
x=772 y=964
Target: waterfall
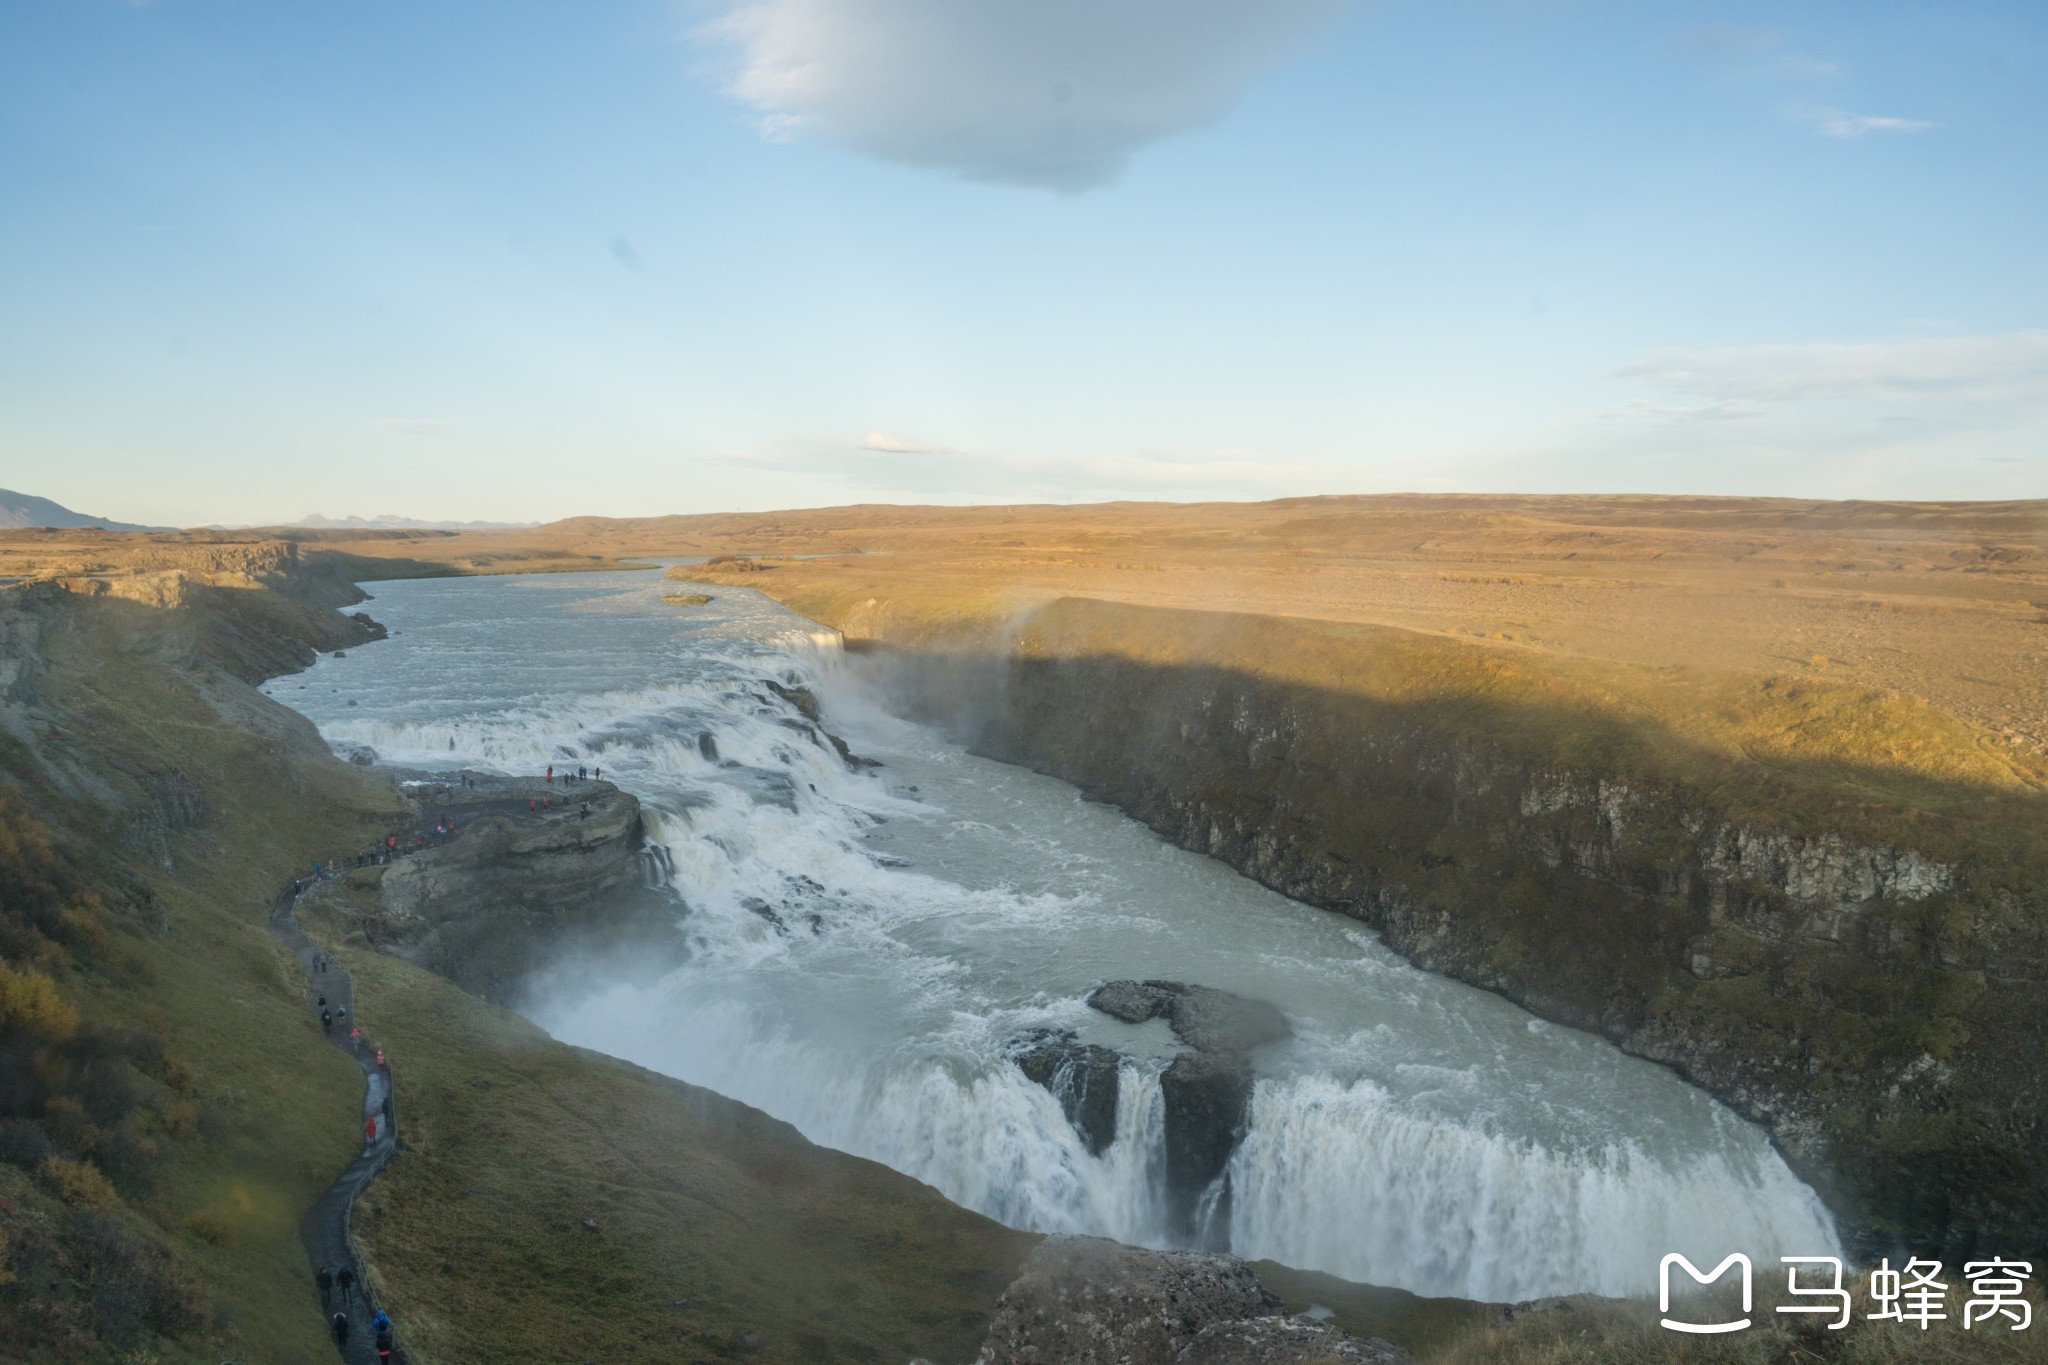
x=867 y=945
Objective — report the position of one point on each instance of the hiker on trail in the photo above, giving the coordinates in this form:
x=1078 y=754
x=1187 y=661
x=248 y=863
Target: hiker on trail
x=387 y=1107
x=355 y=1035
x=597 y=773
x=323 y=1002
x=341 y=1013
x=327 y=1021
x=344 y=1280
x=532 y=805
x=369 y=1130
x=582 y=773
x=551 y=773
x=325 y=1279
x=341 y=1329
x=380 y=1057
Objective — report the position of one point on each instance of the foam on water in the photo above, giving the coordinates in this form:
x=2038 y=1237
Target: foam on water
x=864 y=944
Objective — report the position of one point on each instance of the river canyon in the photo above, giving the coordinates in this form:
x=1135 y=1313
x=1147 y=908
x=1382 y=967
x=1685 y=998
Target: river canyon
x=877 y=939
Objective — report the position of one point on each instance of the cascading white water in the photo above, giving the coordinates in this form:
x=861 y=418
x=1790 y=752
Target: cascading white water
x=866 y=945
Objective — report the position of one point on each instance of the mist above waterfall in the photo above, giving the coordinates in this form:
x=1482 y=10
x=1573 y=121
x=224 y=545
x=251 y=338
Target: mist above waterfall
x=867 y=944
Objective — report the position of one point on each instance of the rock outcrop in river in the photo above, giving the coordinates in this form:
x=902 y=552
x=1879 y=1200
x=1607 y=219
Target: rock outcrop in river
x=1083 y=1077
x=1206 y=1091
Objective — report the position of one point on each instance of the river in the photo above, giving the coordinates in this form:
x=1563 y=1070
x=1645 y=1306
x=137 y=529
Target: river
x=1414 y=1132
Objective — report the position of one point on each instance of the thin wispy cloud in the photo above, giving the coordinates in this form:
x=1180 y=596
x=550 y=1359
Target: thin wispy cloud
x=1739 y=53
x=1754 y=56
x=2010 y=365
x=1056 y=94
x=902 y=445
x=882 y=464
x=1914 y=416
x=1843 y=124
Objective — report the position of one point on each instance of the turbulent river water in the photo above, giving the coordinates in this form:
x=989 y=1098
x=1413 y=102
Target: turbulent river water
x=1414 y=1131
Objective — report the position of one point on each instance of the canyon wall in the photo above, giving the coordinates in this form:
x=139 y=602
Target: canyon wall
x=1879 y=1007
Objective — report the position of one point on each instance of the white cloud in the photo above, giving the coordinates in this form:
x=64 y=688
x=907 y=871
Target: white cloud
x=1843 y=124
x=1050 y=93
x=2009 y=365
x=902 y=445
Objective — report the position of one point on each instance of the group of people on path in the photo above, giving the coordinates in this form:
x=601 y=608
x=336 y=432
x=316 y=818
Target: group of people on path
x=580 y=775
x=342 y=1280
x=392 y=849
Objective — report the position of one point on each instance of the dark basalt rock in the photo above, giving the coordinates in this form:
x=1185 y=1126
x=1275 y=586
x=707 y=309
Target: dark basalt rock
x=1083 y=1077
x=1202 y=1017
x=707 y=747
x=1217 y=1021
x=1206 y=1096
x=1134 y=1002
x=1286 y=1341
x=1207 y=1091
x=799 y=697
x=1089 y=1301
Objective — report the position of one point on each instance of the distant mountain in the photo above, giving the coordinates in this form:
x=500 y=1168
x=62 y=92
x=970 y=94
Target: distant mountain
x=389 y=522
x=19 y=510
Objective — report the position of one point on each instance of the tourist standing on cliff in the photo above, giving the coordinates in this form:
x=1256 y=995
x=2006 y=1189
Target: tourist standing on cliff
x=551 y=773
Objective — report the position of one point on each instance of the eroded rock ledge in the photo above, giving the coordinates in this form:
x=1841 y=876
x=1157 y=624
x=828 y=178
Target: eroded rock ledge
x=521 y=885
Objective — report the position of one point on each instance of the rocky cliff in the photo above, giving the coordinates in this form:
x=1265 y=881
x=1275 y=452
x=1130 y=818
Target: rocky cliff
x=1877 y=1005
x=1088 y=1301
x=518 y=887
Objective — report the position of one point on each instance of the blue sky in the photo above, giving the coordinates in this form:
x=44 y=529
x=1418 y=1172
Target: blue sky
x=524 y=261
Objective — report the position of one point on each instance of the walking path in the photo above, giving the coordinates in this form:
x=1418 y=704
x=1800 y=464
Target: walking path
x=324 y=1230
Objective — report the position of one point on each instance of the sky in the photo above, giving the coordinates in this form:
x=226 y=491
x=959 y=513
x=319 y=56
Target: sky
x=516 y=261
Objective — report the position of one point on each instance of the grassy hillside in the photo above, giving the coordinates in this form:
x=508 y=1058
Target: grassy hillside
x=169 y=1109
x=152 y=1185
x=711 y=1220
